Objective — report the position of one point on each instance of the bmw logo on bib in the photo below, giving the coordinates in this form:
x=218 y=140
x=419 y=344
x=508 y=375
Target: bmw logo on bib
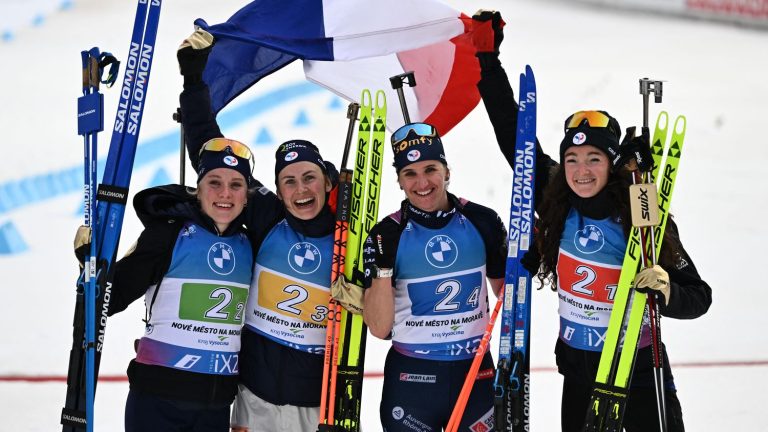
x=589 y=240
x=304 y=258
x=441 y=251
x=221 y=258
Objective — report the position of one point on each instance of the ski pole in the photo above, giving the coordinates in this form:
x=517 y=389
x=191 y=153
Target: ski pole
x=90 y=87
x=648 y=86
x=90 y=122
x=343 y=199
x=397 y=82
x=469 y=381
x=182 y=146
x=109 y=209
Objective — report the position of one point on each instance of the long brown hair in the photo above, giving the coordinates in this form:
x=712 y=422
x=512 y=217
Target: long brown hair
x=556 y=205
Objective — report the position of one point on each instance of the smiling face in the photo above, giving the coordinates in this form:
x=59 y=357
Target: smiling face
x=302 y=187
x=586 y=170
x=425 y=185
x=222 y=193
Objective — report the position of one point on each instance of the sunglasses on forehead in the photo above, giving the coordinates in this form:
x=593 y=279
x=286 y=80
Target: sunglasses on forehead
x=235 y=147
x=421 y=129
x=595 y=119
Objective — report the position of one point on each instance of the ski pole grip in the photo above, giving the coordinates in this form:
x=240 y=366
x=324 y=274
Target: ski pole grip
x=397 y=82
x=352 y=110
x=648 y=86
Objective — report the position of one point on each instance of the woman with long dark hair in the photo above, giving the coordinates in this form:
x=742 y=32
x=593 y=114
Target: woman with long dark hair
x=583 y=227
x=584 y=224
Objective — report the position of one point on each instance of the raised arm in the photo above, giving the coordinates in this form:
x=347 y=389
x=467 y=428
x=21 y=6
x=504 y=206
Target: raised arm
x=499 y=98
x=199 y=123
x=197 y=119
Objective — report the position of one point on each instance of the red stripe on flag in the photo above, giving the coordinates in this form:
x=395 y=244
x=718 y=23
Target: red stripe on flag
x=446 y=79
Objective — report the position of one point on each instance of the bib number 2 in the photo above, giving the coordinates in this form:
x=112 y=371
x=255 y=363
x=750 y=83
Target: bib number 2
x=212 y=303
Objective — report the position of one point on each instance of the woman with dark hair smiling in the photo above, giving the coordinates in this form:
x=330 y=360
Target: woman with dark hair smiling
x=428 y=264
x=292 y=234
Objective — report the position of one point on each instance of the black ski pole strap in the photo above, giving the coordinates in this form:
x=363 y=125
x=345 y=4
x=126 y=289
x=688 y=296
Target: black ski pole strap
x=107 y=59
x=94 y=65
x=113 y=194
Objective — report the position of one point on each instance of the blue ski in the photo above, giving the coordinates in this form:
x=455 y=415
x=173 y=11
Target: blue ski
x=512 y=382
x=112 y=195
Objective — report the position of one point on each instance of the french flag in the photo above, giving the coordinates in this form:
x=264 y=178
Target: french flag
x=351 y=45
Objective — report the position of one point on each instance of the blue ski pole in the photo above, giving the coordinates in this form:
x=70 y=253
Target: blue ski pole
x=90 y=121
x=111 y=199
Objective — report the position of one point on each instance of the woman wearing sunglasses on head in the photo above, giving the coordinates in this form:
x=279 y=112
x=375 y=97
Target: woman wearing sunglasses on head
x=583 y=227
x=427 y=290
x=292 y=234
x=192 y=263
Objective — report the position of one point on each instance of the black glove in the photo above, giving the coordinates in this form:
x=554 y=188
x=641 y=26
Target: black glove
x=193 y=55
x=637 y=148
x=380 y=250
x=488 y=55
x=385 y=237
x=331 y=172
x=531 y=260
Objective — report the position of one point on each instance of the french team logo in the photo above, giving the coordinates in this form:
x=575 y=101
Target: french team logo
x=304 y=258
x=589 y=240
x=230 y=160
x=221 y=258
x=441 y=251
x=291 y=156
x=413 y=155
x=579 y=138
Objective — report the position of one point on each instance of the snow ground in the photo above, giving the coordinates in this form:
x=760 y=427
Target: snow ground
x=583 y=58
